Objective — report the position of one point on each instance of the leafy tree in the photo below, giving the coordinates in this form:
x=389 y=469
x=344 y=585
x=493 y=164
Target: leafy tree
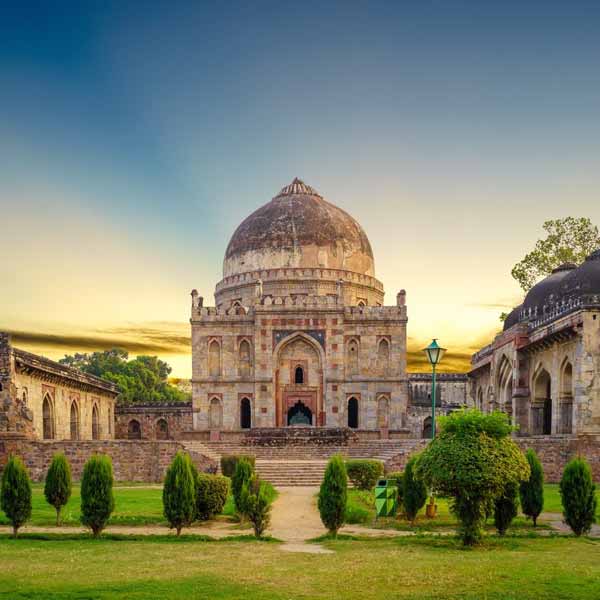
x=531 y=490
x=506 y=507
x=567 y=240
x=143 y=379
x=58 y=486
x=257 y=504
x=333 y=495
x=15 y=495
x=97 y=499
x=578 y=495
x=242 y=475
x=414 y=491
x=179 y=493
x=472 y=460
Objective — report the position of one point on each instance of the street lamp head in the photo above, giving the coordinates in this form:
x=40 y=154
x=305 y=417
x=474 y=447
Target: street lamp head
x=434 y=353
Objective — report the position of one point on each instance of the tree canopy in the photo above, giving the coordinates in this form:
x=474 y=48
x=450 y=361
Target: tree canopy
x=568 y=240
x=143 y=379
x=472 y=460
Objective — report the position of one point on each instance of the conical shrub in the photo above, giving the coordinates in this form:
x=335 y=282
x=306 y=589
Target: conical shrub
x=97 y=499
x=179 y=493
x=531 y=491
x=242 y=475
x=506 y=508
x=15 y=495
x=578 y=494
x=58 y=486
x=414 y=492
x=333 y=495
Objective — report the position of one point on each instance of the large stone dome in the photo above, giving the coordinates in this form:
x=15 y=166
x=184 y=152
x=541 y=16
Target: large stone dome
x=299 y=229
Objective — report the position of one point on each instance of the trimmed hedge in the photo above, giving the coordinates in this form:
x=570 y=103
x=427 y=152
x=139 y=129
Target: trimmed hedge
x=211 y=495
x=364 y=473
x=229 y=462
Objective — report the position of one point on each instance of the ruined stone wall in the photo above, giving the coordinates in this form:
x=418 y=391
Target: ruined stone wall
x=178 y=418
x=140 y=461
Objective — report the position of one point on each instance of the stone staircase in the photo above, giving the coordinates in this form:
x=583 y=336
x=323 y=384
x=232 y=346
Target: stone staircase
x=293 y=464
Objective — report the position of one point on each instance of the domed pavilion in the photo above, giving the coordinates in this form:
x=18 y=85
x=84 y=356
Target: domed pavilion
x=299 y=335
x=544 y=368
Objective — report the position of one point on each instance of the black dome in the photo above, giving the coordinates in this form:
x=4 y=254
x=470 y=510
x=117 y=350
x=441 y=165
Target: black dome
x=514 y=316
x=585 y=279
x=549 y=289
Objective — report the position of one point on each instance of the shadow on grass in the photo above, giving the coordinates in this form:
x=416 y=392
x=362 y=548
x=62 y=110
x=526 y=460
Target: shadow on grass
x=121 y=537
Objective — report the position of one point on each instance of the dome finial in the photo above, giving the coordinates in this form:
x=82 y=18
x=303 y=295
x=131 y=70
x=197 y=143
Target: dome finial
x=298 y=188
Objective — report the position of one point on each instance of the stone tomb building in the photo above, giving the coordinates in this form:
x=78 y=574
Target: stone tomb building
x=42 y=399
x=299 y=334
x=544 y=368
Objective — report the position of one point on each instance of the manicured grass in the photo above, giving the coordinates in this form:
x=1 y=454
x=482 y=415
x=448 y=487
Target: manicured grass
x=361 y=510
x=424 y=568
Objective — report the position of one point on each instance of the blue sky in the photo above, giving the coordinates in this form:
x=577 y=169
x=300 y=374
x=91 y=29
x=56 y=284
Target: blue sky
x=136 y=136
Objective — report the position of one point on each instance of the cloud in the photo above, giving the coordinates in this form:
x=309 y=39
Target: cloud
x=137 y=340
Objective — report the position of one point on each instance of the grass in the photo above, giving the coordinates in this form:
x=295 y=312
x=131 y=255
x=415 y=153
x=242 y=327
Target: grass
x=411 y=568
x=361 y=510
x=135 y=505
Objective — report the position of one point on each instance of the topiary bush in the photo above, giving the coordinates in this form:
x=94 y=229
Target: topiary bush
x=15 y=494
x=578 y=495
x=257 y=504
x=472 y=460
x=229 y=462
x=531 y=490
x=97 y=499
x=58 y=485
x=364 y=473
x=333 y=495
x=414 y=491
x=243 y=472
x=179 y=493
x=211 y=495
x=506 y=507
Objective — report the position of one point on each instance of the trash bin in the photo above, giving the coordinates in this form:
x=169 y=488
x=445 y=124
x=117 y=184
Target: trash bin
x=386 y=498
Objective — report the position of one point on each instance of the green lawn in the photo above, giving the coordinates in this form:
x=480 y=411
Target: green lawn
x=426 y=568
x=361 y=510
x=134 y=505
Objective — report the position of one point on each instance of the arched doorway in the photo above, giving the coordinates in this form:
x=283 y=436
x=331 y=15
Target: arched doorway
x=299 y=414
x=95 y=423
x=215 y=414
x=353 y=413
x=134 y=430
x=566 y=398
x=426 y=429
x=162 y=429
x=74 y=421
x=542 y=408
x=48 y=418
x=245 y=413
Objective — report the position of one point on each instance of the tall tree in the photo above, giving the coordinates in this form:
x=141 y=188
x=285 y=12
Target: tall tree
x=568 y=240
x=141 y=380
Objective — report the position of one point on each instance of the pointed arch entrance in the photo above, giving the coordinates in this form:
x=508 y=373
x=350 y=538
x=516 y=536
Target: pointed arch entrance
x=298 y=381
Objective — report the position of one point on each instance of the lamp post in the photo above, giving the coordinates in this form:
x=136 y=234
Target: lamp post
x=434 y=354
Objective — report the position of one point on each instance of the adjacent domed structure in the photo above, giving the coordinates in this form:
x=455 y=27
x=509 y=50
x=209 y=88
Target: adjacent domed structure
x=298 y=228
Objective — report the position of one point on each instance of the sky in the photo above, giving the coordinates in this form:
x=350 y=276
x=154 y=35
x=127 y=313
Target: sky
x=135 y=137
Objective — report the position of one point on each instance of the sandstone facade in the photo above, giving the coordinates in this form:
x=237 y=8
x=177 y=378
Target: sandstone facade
x=544 y=368
x=42 y=399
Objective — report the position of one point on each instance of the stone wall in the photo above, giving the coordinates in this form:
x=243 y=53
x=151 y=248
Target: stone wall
x=140 y=461
x=152 y=418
